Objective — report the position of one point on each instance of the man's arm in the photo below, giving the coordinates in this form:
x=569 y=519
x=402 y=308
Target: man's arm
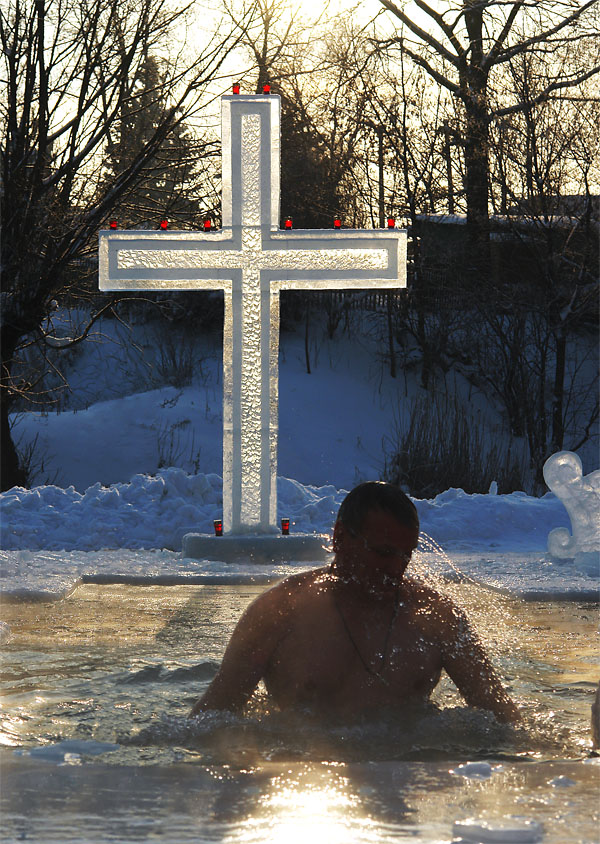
x=468 y=665
x=252 y=643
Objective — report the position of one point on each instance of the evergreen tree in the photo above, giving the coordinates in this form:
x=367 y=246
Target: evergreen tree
x=173 y=181
x=310 y=176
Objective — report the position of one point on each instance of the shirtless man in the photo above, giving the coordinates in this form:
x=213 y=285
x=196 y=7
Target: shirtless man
x=357 y=636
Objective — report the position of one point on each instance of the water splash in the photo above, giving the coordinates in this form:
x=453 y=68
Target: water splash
x=426 y=733
x=488 y=611
x=518 y=637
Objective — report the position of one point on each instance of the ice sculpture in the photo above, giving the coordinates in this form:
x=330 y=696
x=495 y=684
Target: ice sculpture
x=251 y=259
x=563 y=473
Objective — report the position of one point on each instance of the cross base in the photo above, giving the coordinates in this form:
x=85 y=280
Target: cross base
x=305 y=547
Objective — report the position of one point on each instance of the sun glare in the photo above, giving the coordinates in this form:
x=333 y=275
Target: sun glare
x=307 y=806
x=309 y=813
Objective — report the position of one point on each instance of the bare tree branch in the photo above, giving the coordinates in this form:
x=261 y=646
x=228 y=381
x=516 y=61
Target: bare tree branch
x=543 y=96
x=421 y=33
x=543 y=36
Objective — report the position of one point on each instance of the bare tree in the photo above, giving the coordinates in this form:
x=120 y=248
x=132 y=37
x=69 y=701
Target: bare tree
x=275 y=38
x=464 y=45
x=544 y=161
x=68 y=69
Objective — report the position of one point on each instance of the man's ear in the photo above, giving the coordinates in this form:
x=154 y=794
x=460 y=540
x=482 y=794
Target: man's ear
x=335 y=543
x=339 y=531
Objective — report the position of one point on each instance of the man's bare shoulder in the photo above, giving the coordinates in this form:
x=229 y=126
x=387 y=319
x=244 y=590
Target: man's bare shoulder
x=286 y=593
x=429 y=604
x=296 y=585
x=267 y=616
x=418 y=592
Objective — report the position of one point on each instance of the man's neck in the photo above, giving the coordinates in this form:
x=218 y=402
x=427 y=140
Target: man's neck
x=356 y=588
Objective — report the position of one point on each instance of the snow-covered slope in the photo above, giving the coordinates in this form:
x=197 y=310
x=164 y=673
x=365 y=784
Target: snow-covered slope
x=137 y=470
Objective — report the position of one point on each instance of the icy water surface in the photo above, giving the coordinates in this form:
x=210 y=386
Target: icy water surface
x=98 y=746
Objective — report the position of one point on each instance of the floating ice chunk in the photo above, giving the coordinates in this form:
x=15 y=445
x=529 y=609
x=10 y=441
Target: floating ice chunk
x=515 y=830
x=67 y=750
x=563 y=472
x=561 y=782
x=5 y=633
x=474 y=770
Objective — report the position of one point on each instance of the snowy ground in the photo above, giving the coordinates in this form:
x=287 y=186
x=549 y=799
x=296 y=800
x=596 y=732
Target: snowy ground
x=114 y=499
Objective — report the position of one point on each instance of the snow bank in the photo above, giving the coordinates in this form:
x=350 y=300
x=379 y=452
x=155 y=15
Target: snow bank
x=514 y=522
x=148 y=512
x=156 y=511
x=53 y=537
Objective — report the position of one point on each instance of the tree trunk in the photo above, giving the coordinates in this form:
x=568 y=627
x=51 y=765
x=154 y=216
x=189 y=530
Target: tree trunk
x=306 y=349
x=11 y=473
x=448 y=156
x=390 y=331
x=477 y=169
x=476 y=154
x=427 y=365
x=558 y=430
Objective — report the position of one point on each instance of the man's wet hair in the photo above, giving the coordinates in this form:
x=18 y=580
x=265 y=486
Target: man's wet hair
x=377 y=495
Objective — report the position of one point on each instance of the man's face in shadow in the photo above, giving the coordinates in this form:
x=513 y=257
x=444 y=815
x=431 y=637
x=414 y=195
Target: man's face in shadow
x=377 y=555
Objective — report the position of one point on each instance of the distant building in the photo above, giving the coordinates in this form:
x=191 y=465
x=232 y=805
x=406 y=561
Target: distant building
x=525 y=247
x=562 y=206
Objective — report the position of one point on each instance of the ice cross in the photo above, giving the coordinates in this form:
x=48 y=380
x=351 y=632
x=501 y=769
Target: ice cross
x=251 y=259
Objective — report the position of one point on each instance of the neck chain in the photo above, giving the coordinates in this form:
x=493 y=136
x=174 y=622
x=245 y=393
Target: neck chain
x=378 y=674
